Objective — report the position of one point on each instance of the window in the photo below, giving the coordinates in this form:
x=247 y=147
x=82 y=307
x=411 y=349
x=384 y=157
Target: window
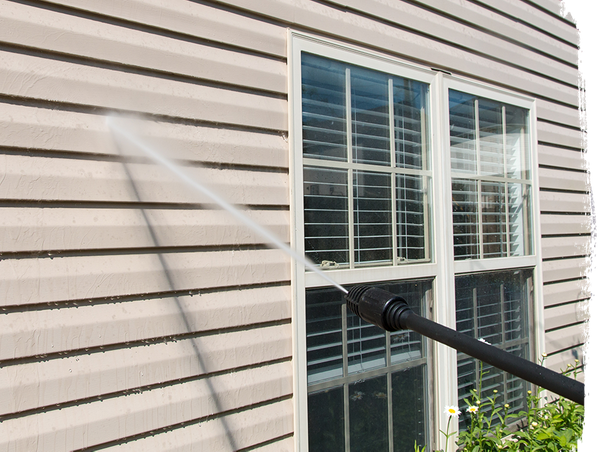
x=423 y=184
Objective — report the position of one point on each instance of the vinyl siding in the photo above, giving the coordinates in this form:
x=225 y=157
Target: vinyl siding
x=136 y=316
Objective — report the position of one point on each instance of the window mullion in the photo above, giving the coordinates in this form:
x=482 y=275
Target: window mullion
x=394 y=212
x=506 y=206
x=426 y=180
x=345 y=374
x=350 y=178
x=478 y=170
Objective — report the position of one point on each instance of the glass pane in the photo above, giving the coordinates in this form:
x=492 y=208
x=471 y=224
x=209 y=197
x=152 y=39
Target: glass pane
x=463 y=149
x=326 y=420
x=408 y=345
x=491 y=152
x=326 y=215
x=410 y=107
x=465 y=218
x=493 y=306
x=411 y=219
x=517 y=142
x=370 y=117
x=323 y=108
x=493 y=219
x=372 y=217
x=366 y=345
x=368 y=415
x=519 y=219
x=409 y=404
x=324 y=334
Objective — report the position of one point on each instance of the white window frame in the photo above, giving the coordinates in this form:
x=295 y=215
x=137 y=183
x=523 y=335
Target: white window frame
x=442 y=267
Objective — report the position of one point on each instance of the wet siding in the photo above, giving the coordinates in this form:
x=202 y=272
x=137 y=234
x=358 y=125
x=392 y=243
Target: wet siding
x=133 y=315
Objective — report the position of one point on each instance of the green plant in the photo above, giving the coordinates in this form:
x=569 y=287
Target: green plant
x=555 y=426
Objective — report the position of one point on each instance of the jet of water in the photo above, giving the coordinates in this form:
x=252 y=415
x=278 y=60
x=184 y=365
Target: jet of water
x=167 y=163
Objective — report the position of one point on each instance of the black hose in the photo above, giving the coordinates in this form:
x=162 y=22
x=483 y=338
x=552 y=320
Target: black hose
x=392 y=313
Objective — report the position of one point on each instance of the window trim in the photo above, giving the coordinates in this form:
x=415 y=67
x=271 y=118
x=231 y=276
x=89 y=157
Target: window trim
x=443 y=268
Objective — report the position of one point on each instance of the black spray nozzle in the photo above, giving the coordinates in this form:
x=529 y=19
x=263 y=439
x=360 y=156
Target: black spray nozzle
x=377 y=306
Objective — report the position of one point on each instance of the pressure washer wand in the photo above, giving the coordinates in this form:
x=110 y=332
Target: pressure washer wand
x=392 y=313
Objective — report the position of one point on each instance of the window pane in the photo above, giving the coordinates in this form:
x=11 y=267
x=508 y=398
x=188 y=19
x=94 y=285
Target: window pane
x=411 y=217
x=493 y=219
x=409 y=408
x=370 y=117
x=491 y=152
x=372 y=217
x=517 y=139
x=326 y=215
x=494 y=306
x=463 y=149
x=465 y=216
x=366 y=345
x=407 y=345
x=326 y=420
x=519 y=219
x=323 y=108
x=368 y=415
x=324 y=334
x=410 y=104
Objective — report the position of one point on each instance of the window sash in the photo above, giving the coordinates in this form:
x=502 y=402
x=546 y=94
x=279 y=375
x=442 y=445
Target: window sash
x=380 y=137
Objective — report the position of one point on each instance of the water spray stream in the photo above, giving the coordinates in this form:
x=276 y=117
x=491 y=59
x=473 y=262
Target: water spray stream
x=267 y=235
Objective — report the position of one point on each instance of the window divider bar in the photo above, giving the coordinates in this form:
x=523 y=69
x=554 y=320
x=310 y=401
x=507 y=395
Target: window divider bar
x=506 y=197
x=480 y=253
x=394 y=206
x=350 y=171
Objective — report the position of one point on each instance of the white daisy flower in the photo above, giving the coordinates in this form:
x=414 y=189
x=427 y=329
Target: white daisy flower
x=452 y=411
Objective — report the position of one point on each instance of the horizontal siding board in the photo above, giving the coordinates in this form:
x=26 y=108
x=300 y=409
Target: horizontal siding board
x=563 y=180
x=90 y=375
x=567 y=337
x=45 y=129
x=551 y=201
x=247 y=428
x=566 y=224
x=564 y=269
x=415 y=18
x=33 y=230
x=55 y=32
x=59 y=81
x=106 y=420
x=561 y=158
x=39 y=332
x=26 y=281
x=565 y=292
x=192 y=19
x=555 y=247
x=560 y=114
x=567 y=314
x=55 y=179
x=561 y=136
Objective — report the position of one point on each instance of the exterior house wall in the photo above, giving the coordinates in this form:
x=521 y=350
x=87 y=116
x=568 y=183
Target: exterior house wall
x=132 y=316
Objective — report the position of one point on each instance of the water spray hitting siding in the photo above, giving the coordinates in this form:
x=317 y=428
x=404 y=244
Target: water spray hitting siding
x=118 y=130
